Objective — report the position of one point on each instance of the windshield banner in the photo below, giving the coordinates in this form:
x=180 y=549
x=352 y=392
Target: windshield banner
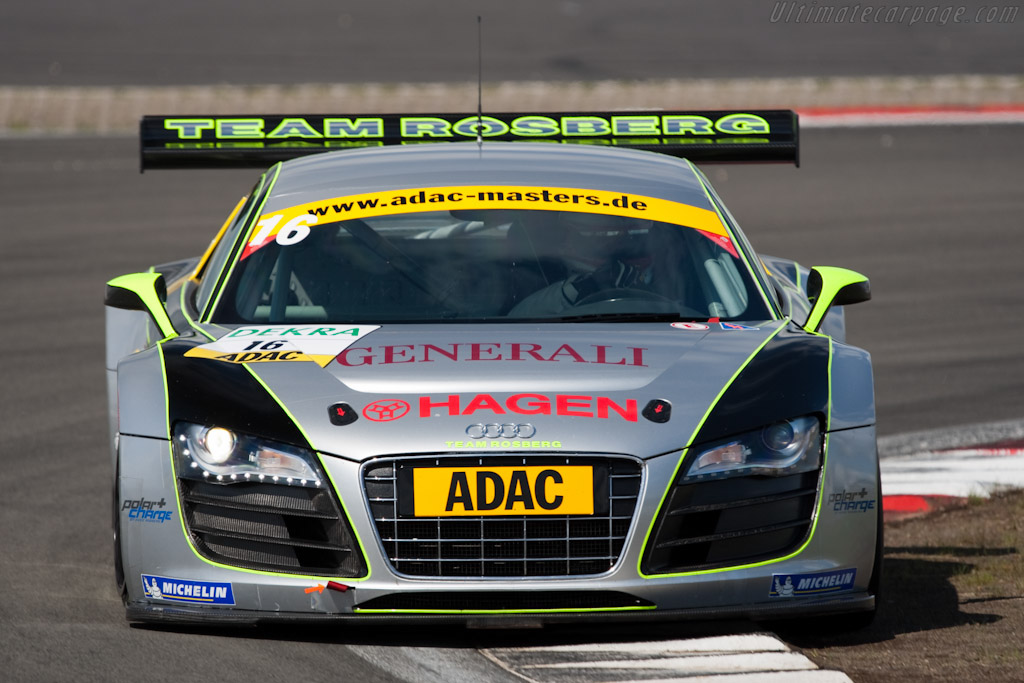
x=292 y=225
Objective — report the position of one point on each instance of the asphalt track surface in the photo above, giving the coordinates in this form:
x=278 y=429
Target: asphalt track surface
x=931 y=214
x=199 y=42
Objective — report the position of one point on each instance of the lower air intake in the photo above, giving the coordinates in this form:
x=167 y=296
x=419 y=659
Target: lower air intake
x=731 y=521
x=288 y=529
x=501 y=601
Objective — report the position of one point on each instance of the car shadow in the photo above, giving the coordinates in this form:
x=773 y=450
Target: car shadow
x=917 y=595
x=457 y=635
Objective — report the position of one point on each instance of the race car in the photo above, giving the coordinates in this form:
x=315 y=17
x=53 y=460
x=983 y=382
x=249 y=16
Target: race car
x=490 y=369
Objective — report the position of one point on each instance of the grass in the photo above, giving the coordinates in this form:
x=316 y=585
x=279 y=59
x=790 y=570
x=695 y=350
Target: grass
x=953 y=602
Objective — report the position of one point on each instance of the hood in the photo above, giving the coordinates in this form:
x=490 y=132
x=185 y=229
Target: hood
x=639 y=389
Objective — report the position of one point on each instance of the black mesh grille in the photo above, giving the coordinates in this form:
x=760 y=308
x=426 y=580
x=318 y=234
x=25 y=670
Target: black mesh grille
x=506 y=546
x=290 y=529
x=731 y=521
x=495 y=601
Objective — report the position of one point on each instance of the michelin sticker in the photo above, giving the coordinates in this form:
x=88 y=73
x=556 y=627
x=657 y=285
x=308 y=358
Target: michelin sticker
x=274 y=343
x=821 y=583
x=185 y=590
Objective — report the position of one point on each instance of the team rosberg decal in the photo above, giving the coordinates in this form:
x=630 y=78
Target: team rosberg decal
x=504 y=445
x=188 y=591
x=526 y=126
x=268 y=343
x=511 y=435
x=142 y=510
x=293 y=224
x=822 y=583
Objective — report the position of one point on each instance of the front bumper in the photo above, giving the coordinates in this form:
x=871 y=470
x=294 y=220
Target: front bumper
x=830 y=572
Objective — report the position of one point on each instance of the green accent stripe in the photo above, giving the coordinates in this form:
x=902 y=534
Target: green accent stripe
x=309 y=441
x=682 y=458
x=142 y=285
x=831 y=357
x=741 y=245
x=181 y=516
x=817 y=513
x=348 y=518
x=357 y=610
x=192 y=323
x=832 y=280
x=243 y=236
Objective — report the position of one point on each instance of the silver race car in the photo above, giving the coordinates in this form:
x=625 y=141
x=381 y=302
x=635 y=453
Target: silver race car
x=503 y=379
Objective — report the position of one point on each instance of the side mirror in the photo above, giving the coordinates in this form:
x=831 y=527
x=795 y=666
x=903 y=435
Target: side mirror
x=142 y=292
x=828 y=287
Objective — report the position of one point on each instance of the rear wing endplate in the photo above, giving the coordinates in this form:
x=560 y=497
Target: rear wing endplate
x=260 y=141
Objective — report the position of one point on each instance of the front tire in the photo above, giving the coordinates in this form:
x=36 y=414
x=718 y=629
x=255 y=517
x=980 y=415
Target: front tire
x=122 y=586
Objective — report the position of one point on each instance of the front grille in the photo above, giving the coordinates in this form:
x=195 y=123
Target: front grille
x=731 y=521
x=272 y=527
x=506 y=601
x=506 y=546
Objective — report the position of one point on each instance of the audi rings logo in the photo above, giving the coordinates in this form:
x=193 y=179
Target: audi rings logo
x=500 y=431
x=386 y=409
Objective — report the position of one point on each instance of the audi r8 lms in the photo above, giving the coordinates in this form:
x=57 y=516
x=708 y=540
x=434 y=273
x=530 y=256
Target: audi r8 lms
x=483 y=369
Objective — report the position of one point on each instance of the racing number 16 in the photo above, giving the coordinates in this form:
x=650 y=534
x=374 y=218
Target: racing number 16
x=265 y=346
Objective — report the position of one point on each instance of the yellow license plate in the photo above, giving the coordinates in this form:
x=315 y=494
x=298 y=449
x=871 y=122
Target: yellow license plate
x=494 y=491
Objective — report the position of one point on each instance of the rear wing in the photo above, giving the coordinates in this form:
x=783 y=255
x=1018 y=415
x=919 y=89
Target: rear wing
x=259 y=141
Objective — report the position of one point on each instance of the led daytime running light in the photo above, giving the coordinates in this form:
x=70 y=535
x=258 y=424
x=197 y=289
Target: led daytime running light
x=219 y=455
x=779 y=449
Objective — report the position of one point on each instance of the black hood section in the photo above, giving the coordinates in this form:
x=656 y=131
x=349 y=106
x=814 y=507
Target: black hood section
x=212 y=392
x=787 y=378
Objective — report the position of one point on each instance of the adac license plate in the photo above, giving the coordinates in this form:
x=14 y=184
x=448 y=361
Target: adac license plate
x=496 y=491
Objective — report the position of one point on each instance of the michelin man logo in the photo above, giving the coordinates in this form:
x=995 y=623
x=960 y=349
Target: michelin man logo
x=152 y=589
x=784 y=590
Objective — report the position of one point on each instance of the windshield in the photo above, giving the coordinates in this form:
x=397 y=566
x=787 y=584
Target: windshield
x=489 y=265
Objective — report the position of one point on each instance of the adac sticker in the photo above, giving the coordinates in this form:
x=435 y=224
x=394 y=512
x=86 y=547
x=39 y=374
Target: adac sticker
x=736 y=326
x=293 y=224
x=690 y=326
x=821 y=583
x=188 y=591
x=277 y=343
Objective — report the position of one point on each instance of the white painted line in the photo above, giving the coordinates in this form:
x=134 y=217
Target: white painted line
x=745 y=643
x=820 y=676
x=746 y=658
x=716 y=664
x=961 y=473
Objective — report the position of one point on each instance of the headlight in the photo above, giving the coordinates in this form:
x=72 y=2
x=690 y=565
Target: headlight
x=779 y=449
x=223 y=456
